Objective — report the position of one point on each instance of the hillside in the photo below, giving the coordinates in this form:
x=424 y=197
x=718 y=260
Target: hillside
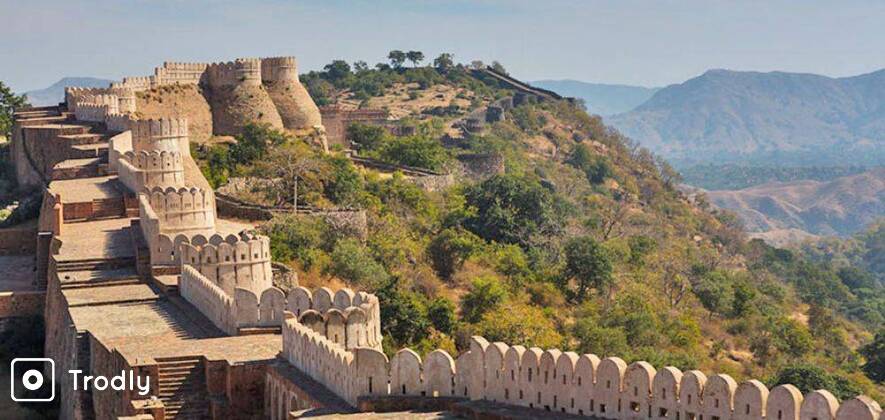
x=55 y=93
x=600 y=98
x=775 y=118
x=841 y=207
x=581 y=242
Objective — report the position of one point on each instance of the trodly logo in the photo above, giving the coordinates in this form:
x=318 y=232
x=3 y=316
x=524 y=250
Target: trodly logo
x=36 y=375
x=123 y=381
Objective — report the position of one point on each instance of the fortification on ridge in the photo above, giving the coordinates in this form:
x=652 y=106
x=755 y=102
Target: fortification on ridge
x=223 y=342
x=236 y=92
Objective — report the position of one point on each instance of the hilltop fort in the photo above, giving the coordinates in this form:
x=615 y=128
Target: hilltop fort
x=137 y=271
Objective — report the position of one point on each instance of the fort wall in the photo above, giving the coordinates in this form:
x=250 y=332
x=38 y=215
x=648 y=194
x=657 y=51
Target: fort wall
x=165 y=134
x=209 y=299
x=183 y=209
x=297 y=110
x=556 y=381
x=336 y=120
x=346 y=318
x=232 y=262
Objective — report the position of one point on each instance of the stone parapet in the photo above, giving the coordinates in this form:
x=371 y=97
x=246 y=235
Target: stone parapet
x=551 y=380
x=165 y=134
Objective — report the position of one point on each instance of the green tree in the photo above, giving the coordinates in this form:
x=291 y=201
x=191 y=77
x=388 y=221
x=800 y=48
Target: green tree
x=415 y=57
x=511 y=209
x=874 y=352
x=397 y=58
x=595 y=338
x=450 y=248
x=596 y=167
x=9 y=103
x=809 y=378
x=366 y=137
x=444 y=62
x=254 y=142
x=587 y=265
x=352 y=262
x=441 y=313
x=743 y=296
x=294 y=237
x=713 y=291
x=485 y=295
x=338 y=72
x=418 y=151
x=519 y=323
x=402 y=317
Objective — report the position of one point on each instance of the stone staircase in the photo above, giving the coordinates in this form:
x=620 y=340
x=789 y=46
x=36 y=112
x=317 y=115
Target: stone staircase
x=108 y=208
x=95 y=264
x=182 y=387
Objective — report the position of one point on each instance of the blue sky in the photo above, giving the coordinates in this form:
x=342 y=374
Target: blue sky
x=647 y=43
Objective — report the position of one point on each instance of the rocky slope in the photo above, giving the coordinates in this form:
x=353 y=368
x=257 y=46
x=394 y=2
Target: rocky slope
x=839 y=207
x=778 y=118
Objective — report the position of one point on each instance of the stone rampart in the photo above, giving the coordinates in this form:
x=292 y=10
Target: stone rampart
x=239 y=91
x=136 y=83
x=336 y=120
x=91 y=112
x=154 y=169
x=346 y=318
x=76 y=95
x=297 y=110
x=240 y=72
x=279 y=69
x=118 y=123
x=231 y=312
x=183 y=209
x=209 y=299
x=180 y=73
x=232 y=262
x=165 y=134
x=557 y=381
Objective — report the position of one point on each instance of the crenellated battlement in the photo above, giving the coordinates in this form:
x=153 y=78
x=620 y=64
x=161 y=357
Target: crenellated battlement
x=91 y=112
x=169 y=134
x=180 y=73
x=279 y=69
x=125 y=99
x=240 y=72
x=347 y=318
x=150 y=169
x=182 y=209
x=556 y=381
x=136 y=83
x=231 y=262
x=118 y=122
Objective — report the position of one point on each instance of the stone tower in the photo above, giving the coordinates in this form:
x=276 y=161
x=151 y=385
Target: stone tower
x=237 y=97
x=280 y=77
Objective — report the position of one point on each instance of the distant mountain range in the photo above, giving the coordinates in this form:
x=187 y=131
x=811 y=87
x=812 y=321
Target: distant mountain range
x=788 y=210
x=602 y=99
x=764 y=118
x=56 y=93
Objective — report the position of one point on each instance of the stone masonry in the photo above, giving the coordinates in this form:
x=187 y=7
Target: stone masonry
x=142 y=275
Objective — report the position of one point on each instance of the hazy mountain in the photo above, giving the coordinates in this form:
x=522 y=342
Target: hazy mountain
x=600 y=98
x=54 y=94
x=839 y=207
x=780 y=118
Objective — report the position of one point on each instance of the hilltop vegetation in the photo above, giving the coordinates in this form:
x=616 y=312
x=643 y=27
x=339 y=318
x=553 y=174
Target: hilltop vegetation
x=583 y=244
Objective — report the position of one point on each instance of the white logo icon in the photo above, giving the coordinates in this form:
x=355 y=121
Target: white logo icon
x=23 y=369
